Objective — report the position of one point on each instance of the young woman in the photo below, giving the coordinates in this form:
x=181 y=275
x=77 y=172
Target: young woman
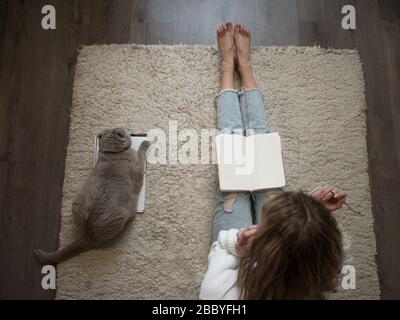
x=294 y=251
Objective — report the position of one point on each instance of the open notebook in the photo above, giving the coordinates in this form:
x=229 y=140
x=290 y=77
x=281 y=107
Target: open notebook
x=137 y=140
x=249 y=163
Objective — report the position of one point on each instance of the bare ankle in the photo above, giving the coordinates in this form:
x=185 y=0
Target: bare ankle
x=245 y=69
x=227 y=66
x=246 y=75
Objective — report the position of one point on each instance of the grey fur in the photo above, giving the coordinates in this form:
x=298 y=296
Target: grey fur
x=108 y=199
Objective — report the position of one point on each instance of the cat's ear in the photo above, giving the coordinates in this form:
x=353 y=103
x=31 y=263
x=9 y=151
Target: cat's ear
x=101 y=133
x=121 y=132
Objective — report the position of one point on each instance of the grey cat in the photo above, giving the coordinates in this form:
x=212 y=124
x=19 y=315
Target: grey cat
x=108 y=199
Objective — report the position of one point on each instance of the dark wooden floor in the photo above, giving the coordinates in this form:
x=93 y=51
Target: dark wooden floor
x=36 y=74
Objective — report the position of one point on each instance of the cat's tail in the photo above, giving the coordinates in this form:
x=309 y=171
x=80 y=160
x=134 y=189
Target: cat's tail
x=61 y=254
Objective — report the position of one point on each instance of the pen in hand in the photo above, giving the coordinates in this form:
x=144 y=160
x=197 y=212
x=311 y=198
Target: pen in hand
x=351 y=208
x=348 y=206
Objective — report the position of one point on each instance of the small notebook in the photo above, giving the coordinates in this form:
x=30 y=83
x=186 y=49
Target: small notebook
x=249 y=163
x=137 y=140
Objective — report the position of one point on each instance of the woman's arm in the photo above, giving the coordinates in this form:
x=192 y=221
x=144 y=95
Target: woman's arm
x=220 y=279
x=332 y=197
x=244 y=239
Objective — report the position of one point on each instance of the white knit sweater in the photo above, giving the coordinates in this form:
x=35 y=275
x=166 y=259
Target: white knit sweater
x=220 y=279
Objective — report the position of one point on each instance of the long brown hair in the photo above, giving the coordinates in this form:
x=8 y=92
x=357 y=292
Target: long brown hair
x=296 y=252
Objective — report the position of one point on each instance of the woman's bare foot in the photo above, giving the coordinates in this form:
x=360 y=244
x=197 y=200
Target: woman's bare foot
x=242 y=38
x=226 y=48
x=226 y=45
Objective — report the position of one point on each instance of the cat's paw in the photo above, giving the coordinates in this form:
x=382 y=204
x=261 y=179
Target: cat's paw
x=145 y=145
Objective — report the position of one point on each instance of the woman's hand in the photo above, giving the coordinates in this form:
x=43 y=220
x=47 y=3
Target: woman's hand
x=244 y=239
x=332 y=197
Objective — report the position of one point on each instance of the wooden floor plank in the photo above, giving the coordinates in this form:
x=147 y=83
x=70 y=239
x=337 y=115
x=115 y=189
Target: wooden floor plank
x=376 y=52
x=277 y=22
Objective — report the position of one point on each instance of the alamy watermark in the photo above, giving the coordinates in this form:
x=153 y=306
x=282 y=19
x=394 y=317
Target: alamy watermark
x=49 y=278
x=349 y=20
x=348 y=280
x=191 y=147
x=49 y=18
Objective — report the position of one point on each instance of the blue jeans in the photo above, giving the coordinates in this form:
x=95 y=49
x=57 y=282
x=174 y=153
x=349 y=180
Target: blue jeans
x=239 y=112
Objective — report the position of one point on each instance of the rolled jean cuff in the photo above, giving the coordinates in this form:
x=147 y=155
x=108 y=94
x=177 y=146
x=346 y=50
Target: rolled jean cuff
x=225 y=90
x=244 y=90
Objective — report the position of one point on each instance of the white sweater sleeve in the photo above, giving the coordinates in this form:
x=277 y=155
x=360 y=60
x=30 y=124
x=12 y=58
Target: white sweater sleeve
x=220 y=279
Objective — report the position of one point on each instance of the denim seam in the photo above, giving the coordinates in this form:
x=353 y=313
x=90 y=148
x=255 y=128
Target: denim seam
x=247 y=114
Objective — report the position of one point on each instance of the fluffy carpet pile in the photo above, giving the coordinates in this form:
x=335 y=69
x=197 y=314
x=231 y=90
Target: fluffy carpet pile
x=314 y=98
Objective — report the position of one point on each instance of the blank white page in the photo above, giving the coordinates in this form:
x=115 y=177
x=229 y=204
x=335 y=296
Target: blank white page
x=269 y=170
x=230 y=165
x=249 y=163
x=136 y=142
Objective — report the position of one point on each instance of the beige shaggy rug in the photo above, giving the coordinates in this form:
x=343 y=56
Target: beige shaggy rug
x=314 y=99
